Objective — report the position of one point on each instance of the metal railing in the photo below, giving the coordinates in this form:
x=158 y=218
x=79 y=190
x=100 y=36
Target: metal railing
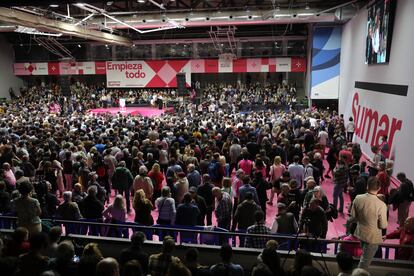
x=198 y=235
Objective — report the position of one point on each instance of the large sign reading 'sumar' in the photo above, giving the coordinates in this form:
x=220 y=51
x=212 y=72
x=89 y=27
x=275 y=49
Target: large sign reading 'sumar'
x=379 y=110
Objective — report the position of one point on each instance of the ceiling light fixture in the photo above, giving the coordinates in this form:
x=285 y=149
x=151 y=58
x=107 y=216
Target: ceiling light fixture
x=54 y=5
x=80 y=46
x=141 y=1
x=307 y=6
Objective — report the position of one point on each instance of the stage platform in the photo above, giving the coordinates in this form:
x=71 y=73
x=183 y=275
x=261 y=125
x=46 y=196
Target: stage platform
x=147 y=111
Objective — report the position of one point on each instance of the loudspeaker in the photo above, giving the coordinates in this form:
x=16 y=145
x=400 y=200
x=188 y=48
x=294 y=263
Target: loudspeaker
x=64 y=83
x=181 y=87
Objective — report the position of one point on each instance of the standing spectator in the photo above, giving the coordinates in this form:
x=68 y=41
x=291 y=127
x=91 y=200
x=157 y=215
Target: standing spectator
x=28 y=209
x=383 y=179
x=332 y=158
x=244 y=215
x=296 y=171
x=8 y=177
x=122 y=181
x=216 y=170
x=406 y=236
x=68 y=170
x=247 y=188
x=307 y=168
x=200 y=202
x=115 y=212
x=181 y=187
x=166 y=208
x=340 y=182
x=323 y=137
x=205 y=191
x=245 y=164
x=143 y=182
x=285 y=222
x=385 y=147
x=226 y=254
x=187 y=212
x=158 y=264
x=275 y=173
x=313 y=220
x=68 y=210
x=259 y=228
x=157 y=178
x=4 y=199
x=353 y=249
x=143 y=208
x=370 y=214
x=404 y=197
x=350 y=129
x=345 y=263
x=234 y=154
x=223 y=208
x=261 y=186
x=135 y=252
x=78 y=194
x=90 y=206
x=193 y=176
x=35 y=261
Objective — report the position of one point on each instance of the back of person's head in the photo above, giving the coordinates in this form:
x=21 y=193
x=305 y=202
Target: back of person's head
x=309 y=270
x=20 y=235
x=191 y=256
x=226 y=252
x=92 y=191
x=246 y=179
x=55 y=233
x=248 y=196
x=221 y=270
x=25 y=188
x=132 y=268
x=38 y=241
x=296 y=159
x=91 y=249
x=165 y=191
x=65 y=252
x=373 y=185
x=345 y=261
x=187 y=198
x=168 y=245
x=107 y=267
x=138 y=239
x=67 y=196
x=259 y=216
x=360 y=272
x=178 y=268
x=302 y=258
x=262 y=270
x=272 y=259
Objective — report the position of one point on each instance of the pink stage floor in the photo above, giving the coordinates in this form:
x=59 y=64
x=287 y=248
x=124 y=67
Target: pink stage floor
x=143 y=111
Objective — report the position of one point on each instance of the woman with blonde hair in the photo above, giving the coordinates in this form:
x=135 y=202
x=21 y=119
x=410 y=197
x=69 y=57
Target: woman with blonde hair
x=143 y=208
x=275 y=173
x=223 y=162
x=116 y=211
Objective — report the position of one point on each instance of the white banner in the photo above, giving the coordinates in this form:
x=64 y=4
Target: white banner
x=128 y=73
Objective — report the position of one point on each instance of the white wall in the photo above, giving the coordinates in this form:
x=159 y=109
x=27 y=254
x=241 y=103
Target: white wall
x=7 y=77
x=400 y=71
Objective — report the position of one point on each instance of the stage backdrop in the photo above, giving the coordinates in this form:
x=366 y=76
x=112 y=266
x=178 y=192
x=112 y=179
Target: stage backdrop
x=380 y=97
x=326 y=52
x=159 y=73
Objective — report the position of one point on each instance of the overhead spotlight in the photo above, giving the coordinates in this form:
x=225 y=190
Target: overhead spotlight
x=133 y=45
x=54 y=5
x=109 y=3
x=80 y=46
x=277 y=8
x=21 y=44
x=141 y=1
x=307 y=6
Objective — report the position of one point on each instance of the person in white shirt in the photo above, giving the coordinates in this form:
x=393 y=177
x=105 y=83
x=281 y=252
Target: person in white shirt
x=350 y=129
x=323 y=137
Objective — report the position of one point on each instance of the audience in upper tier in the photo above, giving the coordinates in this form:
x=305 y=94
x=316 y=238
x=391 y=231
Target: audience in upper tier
x=194 y=168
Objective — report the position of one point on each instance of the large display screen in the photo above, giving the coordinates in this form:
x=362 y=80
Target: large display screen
x=379 y=31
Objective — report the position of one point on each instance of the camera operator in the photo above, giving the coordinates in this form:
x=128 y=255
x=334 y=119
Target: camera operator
x=313 y=221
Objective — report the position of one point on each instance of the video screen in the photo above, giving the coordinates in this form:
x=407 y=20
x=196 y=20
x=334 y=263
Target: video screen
x=379 y=31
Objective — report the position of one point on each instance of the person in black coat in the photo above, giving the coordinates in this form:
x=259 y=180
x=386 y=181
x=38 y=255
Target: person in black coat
x=204 y=190
x=135 y=252
x=261 y=186
x=201 y=204
x=90 y=206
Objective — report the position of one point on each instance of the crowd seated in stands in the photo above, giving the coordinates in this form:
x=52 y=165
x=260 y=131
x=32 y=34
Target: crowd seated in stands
x=206 y=169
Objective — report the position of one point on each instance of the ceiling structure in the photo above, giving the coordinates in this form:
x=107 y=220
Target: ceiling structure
x=130 y=22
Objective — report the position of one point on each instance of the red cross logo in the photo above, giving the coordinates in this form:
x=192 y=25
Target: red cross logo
x=31 y=68
x=53 y=68
x=298 y=64
x=197 y=65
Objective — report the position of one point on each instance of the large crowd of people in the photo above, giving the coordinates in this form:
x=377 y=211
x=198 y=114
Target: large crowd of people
x=195 y=168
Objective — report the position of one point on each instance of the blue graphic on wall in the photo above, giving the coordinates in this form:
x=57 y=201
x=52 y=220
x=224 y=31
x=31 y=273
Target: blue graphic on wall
x=326 y=53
